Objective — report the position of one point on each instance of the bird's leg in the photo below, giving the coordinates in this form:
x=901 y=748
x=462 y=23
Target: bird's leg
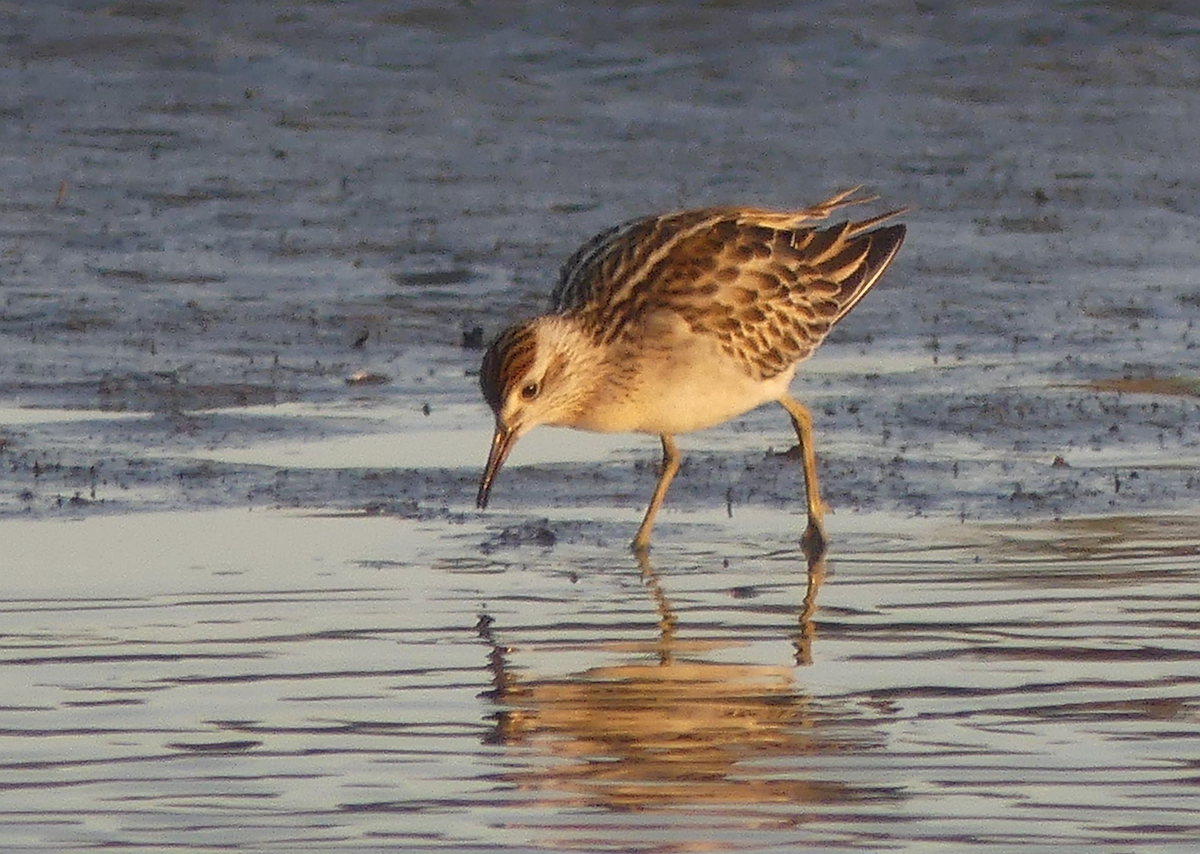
x=814 y=541
x=670 y=465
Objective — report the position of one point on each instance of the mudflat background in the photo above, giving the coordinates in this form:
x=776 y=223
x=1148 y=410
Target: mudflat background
x=247 y=256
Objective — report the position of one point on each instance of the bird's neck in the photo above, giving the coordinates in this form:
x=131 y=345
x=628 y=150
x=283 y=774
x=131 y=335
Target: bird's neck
x=602 y=378
x=579 y=364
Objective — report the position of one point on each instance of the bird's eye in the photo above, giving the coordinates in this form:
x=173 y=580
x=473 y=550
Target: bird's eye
x=529 y=391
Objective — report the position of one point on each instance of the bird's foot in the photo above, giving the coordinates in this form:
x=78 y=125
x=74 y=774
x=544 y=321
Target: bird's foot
x=813 y=543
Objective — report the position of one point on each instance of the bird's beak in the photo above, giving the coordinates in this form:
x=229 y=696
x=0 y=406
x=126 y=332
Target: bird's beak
x=502 y=443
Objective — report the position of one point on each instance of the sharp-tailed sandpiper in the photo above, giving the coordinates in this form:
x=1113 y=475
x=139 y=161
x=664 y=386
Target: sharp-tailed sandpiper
x=674 y=323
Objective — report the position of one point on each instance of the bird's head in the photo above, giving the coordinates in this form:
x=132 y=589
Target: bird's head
x=533 y=373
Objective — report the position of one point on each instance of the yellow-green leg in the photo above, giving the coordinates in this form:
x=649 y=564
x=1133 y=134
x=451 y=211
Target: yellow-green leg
x=670 y=465
x=814 y=541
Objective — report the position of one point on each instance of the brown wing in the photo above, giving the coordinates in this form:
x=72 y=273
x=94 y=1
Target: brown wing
x=617 y=258
x=609 y=264
x=778 y=293
x=766 y=284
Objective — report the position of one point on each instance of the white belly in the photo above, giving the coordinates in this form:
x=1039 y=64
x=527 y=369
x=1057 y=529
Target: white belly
x=696 y=386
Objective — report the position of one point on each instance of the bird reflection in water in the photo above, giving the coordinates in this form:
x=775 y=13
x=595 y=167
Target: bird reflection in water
x=673 y=726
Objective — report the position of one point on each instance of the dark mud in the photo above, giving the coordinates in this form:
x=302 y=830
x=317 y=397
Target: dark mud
x=205 y=210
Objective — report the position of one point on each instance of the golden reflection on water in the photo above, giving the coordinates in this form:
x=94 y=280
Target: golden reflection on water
x=673 y=728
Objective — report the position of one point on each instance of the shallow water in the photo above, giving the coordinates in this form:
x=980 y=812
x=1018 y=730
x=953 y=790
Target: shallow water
x=247 y=256
x=284 y=681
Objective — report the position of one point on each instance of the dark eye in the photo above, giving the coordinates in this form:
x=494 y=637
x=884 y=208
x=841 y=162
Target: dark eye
x=529 y=391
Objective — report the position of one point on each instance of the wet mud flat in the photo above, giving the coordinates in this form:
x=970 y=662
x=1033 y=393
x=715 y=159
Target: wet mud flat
x=247 y=259
x=261 y=209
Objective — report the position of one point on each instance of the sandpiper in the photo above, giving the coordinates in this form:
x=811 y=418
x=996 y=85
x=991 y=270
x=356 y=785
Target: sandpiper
x=674 y=323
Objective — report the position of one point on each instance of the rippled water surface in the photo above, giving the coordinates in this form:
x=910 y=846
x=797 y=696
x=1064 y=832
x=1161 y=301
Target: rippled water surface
x=269 y=681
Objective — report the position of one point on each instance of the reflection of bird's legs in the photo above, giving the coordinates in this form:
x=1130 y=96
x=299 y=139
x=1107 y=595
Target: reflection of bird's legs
x=808 y=610
x=666 y=616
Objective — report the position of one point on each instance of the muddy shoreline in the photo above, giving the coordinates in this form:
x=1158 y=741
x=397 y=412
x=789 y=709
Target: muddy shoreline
x=204 y=215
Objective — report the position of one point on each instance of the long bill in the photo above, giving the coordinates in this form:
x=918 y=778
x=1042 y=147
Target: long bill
x=502 y=443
